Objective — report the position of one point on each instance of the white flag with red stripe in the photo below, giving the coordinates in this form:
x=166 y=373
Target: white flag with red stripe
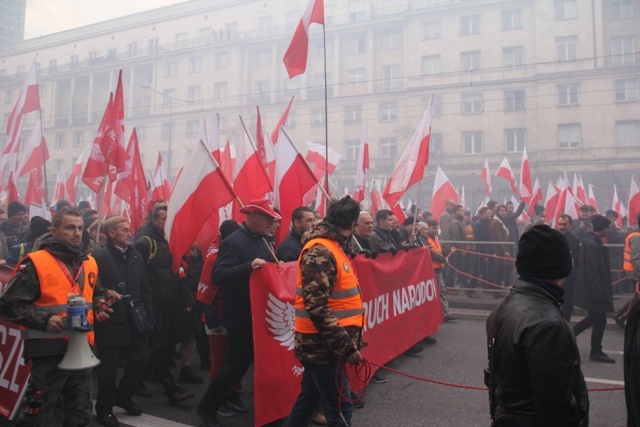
x=634 y=201
x=551 y=202
x=71 y=185
x=505 y=171
x=485 y=174
x=295 y=58
x=618 y=206
x=535 y=198
x=363 y=166
x=592 y=197
x=28 y=101
x=526 y=186
x=442 y=191
x=35 y=154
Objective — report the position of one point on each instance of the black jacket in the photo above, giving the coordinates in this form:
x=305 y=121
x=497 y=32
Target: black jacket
x=631 y=365
x=290 y=248
x=482 y=233
x=536 y=360
x=383 y=241
x=593 y=290
x=512 y=225
x=126 y=274
x=232 y=272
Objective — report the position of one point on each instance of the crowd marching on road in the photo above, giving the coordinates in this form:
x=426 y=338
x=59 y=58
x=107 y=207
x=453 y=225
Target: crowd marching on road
x=141 y=311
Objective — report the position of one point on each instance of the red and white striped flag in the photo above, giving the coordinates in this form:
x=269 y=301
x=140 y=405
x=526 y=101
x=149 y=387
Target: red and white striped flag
x=442 y=191
x=295 y=58
x=485 y=174
x=28 y=101
x=634 y=202
x=618 y=206
x=526 y=187
x=592 y=198
x=35 y=153
x=505 y=171
x=71 y=185
x=535 y=198
x=363 y=166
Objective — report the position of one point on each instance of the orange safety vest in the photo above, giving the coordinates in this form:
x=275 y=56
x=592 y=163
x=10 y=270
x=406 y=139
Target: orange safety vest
x=627 y=265
x=345 y=300
x=55 y=288
x=435 y=246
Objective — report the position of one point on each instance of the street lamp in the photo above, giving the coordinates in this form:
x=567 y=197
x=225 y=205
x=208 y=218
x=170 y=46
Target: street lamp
x=170 y=99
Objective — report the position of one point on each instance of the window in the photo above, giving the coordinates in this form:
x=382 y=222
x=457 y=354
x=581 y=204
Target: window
x=355 y=76
x=112 y=53
x=472 y=142
x=469 y=25
x=355 y=45
x=514 y=100
x=515 y=140
x=77 y=139
x=195 y=64
x=222 y=60
x=470 y=61
x=391 y=39
x=628 y=132
x=566 y=9
x=388 y=112
x=262 y=86
x=391 y=78
x=511 y=19
x=431 y=30
x=170 y=68
x=167 y=130
x=181 y=40
x=193 y=126
x=153 y=45
x=621 y=9
x=351 y=149
x=569 y=94
x=220 y=90
x=53 y=65
x=352 y=114
x=623 y=51
x=262 y=59
x=626 y=89
x=356 y=10
x=317 y=118
x=431 y=64
x=8 y=96
x=437 y=105
x=206 y=35
x=194 y=93
x=168 y=96
x=435 y=143
x=472 y=103
x=59 y=140
x=132 y=50
x=73 y=61
x=569 y=135
x=265 y=25
x=566 y=48
x=513 y=57
x=388 y=148
x=42 y=90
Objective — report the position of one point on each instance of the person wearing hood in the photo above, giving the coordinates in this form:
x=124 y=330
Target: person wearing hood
x=534 y=376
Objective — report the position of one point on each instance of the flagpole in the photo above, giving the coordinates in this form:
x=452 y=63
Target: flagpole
x=326 y=116
x=44 y=163
x=326 y=193
x=253 y=145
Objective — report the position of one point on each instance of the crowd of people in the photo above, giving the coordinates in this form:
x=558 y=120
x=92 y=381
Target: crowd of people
x=145 y=312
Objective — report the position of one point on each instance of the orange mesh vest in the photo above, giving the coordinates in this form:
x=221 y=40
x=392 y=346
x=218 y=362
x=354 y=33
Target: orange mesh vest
x=436 y=247
x=345 y=300
x=56 y=286
x=627 y=265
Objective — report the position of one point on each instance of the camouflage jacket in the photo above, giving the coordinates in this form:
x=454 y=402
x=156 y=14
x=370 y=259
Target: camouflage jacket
x=318 y=269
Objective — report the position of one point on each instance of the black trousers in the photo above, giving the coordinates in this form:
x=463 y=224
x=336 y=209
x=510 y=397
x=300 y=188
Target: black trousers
x=239 y=358
x=597 y=320
x=137 y=363
x=160 y=340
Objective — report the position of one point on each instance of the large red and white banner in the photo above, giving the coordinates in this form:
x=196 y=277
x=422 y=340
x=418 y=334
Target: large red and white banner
x=402 y=306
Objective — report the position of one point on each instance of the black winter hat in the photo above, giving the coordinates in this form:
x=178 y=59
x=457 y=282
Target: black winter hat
x=38 y=226
x=227 y=227
x=543 y=253
x=600 y=222
x=14 y=208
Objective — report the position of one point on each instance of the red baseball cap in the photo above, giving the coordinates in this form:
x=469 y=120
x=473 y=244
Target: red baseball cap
x=260 y=206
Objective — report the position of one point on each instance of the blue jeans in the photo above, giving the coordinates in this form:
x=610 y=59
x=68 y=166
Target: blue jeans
x=319 y=388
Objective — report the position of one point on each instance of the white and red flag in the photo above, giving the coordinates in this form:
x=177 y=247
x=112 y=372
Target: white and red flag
x=618 y=206
x=161 y=188
x=526 y=186
x=317 y=156
x=485 y=174
x=71 y=185
x=275 y=133
x=35 y=154
x=227 y=161
x=295 y=58
x=293 y=179
x=578 y=189
x=505 y=171
x=634 y=202
x=377 y=201
x=12 y=189
x=410 y=167
x=592 y=198
x=362 y=166
x=551 y=203
x=535 y=198
x=28 y=101
x=35 y=188
x=200 y=191
x=442 y=191
x=132 y=185
x=98 y=164
x=59 y=191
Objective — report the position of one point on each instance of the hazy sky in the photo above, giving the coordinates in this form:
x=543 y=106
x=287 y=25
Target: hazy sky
x=50 y=16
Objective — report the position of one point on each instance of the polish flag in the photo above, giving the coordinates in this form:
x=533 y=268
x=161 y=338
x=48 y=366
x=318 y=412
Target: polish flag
x=317 y=157
x=227 y=161
x=505 y=171
x=132 y=184
x=398 y=211
x=377 y=201
x=551 y=202
x=35 y=153
x=293 y=179
x=526 y=188
x=98 y=163
x=565 y=198
x=461 y=193
x=442 y=191
x=213 y=141
x=28 y=101
x=295 y=58
x=363 y=165
x=618 y=206
x=115 y=132
x=200 y=192
x=592 y=197
x=71 y=182
x=485 y=174
x=35 y=188
x=321 y=200
x=12 y=189
x=261 y=147
x=275 y=133
x=535 y=198
x=523 y=216
x=250 y=179
x=578 y=189
x=59 y=192
x=410 y=167
x=571 y=205
x=634 y=202
x=161 y=189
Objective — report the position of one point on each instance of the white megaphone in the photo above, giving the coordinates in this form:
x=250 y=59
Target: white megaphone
x=79 y=355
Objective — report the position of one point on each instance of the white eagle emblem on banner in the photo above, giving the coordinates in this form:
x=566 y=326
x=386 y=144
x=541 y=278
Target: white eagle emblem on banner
x=280 y=316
